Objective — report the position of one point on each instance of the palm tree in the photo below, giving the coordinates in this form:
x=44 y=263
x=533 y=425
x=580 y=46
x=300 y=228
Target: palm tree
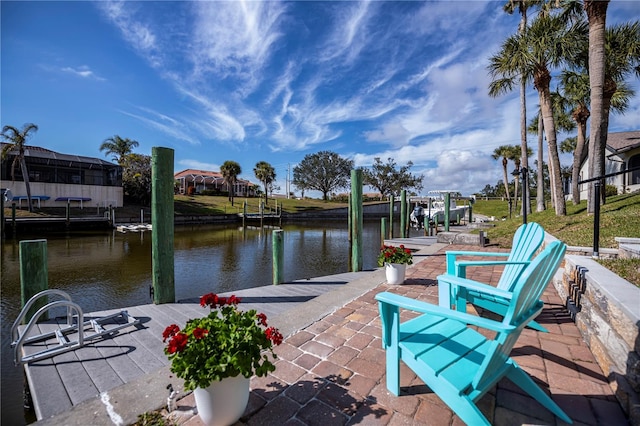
x=266 y=174
x=548 y=42
x=118 y=146
x=523 y=6
x=597 y=16
x=16 y=141
x=230 y=171
x=504 y=152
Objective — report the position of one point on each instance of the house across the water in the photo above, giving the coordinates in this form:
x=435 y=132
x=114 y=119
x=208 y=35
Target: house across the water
x=193 y=181
x=56 y=179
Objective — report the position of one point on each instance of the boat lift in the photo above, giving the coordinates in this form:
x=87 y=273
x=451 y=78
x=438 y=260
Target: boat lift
x=89 y=330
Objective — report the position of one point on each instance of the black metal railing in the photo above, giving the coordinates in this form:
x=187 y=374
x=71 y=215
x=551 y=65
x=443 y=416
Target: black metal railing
x=596 y=210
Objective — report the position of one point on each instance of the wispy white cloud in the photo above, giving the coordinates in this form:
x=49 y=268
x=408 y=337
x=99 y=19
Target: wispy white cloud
x=197 y=165
x=164 y=124
x=82 y=71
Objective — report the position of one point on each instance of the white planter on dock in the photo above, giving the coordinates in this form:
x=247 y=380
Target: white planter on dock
x=395 y=272
x=223 y=402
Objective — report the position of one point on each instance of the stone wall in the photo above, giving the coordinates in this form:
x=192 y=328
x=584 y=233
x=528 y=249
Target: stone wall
x=606 y=309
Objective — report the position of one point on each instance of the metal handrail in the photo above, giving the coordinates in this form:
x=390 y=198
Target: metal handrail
x=596 y=210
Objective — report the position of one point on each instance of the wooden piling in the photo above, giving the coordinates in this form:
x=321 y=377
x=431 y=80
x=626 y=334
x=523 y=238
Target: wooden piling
x=244 y=213
x=391 y=206
x=470 y=213
x=13 y=219
x=34 y=276
x=278 y=256
x=383 y=230
x=403 y=213
x=356 y=220
x=447 y=209
x=162 y=212
x=2 y=213
x=68 y=212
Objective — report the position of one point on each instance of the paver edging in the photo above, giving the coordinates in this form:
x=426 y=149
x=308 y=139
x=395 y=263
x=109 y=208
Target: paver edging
x=606 y=310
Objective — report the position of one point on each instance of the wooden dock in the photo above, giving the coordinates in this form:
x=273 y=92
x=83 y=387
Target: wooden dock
x=62 y=382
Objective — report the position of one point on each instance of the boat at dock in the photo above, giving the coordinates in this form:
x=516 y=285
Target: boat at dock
x=434 y=205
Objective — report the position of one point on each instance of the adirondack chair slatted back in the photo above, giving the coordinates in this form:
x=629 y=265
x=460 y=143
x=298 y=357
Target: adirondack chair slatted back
x=526 y=241
x=524 y=305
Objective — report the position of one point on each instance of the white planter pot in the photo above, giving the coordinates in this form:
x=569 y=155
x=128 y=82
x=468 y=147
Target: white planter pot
x=395 y=272
x=223 y=402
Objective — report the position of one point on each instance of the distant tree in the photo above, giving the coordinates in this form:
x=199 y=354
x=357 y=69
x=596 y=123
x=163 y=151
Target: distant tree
x=16 y=141
x=119 y=147
x=266 y=174
x=136 y=178
x=324 y=171
x=230 y=171
x=388 y=180
x=504 y=152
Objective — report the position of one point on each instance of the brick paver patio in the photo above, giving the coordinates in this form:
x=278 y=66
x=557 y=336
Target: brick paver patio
x=332 y=372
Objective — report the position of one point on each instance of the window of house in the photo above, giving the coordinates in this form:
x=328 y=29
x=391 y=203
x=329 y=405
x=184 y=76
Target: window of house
x=634 y=176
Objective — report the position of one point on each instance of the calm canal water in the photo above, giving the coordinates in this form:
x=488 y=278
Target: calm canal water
x=113 y=270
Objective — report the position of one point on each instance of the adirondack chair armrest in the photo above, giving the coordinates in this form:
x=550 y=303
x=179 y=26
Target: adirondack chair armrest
x=450 y=257
x=449 y=280
x=428 y=308
x=460 y=266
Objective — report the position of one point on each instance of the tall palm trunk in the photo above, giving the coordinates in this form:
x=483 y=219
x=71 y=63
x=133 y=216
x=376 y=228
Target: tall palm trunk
x=505 y=180
x=597 y=14
x=554 y=158
x=578 y=153
x=540 y=207
x=526 y=203
x=25 y=177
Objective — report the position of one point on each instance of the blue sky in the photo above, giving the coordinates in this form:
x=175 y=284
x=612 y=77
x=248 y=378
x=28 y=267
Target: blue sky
x=272 y=81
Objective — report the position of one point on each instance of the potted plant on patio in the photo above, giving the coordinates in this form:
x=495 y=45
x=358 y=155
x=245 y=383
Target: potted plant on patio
x=216 y=355
x=395 y=261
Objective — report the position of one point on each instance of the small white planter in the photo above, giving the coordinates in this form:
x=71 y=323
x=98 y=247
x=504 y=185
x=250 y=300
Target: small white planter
x=395 y=272
x=223 y=402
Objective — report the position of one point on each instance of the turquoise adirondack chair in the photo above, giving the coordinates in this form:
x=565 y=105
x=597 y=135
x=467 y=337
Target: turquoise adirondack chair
x=526 y=241
x=457 y=362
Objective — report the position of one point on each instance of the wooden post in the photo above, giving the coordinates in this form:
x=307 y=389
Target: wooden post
x=470 y=213
x=244 y=213
x=447 y=209
x=2 y=213
x=162 y=231
x=383 y=230
x=34 y=277
x=278 y=256
x=13 y=218
x=403 y=213
x=356 y=220
x=141 y=216
x=391 y=206
x=68 y=212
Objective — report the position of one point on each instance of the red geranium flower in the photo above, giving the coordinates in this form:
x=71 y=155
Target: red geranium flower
x=199 y=333
x=210 y=300
x=178 y=343
x=170 y=331
x=262 y=319
x=274 y=335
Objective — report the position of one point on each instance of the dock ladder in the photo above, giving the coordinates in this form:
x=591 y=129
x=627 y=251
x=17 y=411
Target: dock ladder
x=58 y=340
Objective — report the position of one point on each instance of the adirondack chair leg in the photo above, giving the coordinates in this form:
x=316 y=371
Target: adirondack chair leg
x=522 y=379
x=537 y=326
x=444 y=295
x=469 y=412
x=390 y=316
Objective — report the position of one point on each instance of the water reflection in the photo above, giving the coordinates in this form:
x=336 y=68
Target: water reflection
x=113 y=270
